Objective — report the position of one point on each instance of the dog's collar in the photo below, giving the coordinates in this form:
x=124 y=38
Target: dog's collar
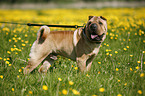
x=88 y=38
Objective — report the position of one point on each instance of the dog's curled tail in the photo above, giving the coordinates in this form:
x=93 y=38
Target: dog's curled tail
x=43 y=33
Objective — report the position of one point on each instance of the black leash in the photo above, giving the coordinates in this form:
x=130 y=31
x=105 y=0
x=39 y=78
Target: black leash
x=33 y=24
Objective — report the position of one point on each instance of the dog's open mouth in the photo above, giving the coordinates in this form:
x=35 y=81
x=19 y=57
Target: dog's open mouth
x=97 y=37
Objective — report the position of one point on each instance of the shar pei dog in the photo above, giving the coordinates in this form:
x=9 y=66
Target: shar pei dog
x=81 y=45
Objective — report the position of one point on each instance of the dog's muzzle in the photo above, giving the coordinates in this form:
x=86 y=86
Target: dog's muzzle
x=93 y=30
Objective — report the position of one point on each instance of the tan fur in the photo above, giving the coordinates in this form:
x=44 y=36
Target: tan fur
x=74 y=45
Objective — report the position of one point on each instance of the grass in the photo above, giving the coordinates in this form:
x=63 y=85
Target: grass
x=118 y=69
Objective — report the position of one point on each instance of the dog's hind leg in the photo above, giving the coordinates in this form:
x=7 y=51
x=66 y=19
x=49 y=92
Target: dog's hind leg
x=39 y=51
x=49 y=60
x=33 y=63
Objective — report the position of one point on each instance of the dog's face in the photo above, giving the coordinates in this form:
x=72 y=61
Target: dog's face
x=96 y=28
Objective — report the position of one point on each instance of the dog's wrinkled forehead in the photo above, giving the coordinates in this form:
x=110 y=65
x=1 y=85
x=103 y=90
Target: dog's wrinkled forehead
x=94 y=18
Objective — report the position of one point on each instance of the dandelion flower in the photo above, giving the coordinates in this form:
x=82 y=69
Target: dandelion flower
x=20 y=70
x=116 y=52
x=71 y=82
x=64 y=91
x=124 y=49
x=76 y=68
x=99 y=62
x=119 y=95
x=101 y=89
x=139 y=92
x=107 y=54
x=125 y=84
x=127 y=46
x=44 y=87
x=137 y=67
x=142 y=75
x=117 y=69
x=131 y=69
x=99 y=72
x=75 y=92
x=13 y=89
x=87 y=75
x=30 y=92
x=138 y=61
x=1 y=76
x=23 y=44
x=118 y=80
x=59 y=79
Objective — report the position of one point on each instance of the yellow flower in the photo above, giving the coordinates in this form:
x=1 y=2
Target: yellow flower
x=18 y=76
x=139 y=92
x=75 y=92
x=1 y=76
x=119 y=95
x=107 y=54
x=71 y=82
x=131 y=69
x=124 y=49
x=59 y=79
x=26 y=41
x=44 y=87
x=138 y=61
x=8 y=52
x=127 y=46
x=30 y=92
x=10 y=64
x=131 y=55
x=76 y=68
x=1 y=58
x=116 y=52
x=118 y=80
x=87 y=75
x=13 y=89
x=7 y=62
x=94 y=95
x=64 y=91
x=137 y=67
x=143 y=51
x=117 y=69
x=142 y=75
x=23 y=44
x=99 y=62
x=125 y=84
x=26 y=35
x=99 y=72
x=20 y=70
x=101 y=89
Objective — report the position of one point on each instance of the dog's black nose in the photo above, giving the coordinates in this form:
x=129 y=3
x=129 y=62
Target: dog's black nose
x=94 y=26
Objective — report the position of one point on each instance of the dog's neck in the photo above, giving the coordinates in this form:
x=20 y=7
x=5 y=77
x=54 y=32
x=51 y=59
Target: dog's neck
x=84 y=34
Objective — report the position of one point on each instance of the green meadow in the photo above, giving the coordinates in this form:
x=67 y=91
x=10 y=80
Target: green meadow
x=118 y=69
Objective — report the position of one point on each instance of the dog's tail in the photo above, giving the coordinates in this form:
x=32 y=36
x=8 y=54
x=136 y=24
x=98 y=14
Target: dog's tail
x=43 y=33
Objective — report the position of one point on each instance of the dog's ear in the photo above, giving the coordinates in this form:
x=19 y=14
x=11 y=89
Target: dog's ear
x=103 y=18
x=42 y=34
x=90 y=17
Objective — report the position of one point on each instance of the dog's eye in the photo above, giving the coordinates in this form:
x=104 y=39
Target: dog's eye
x=100 y=23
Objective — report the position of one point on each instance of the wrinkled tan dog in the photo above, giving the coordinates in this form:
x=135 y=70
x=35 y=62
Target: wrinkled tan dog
x=82 y=45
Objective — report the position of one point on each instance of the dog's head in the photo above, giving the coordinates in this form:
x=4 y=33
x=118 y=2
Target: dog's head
x=96 y=28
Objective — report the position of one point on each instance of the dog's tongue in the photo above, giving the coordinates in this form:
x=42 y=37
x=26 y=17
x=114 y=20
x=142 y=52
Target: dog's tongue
x=94 y=36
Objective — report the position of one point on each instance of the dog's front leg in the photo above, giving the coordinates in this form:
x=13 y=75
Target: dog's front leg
x=81 y=62
x=89 y=62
